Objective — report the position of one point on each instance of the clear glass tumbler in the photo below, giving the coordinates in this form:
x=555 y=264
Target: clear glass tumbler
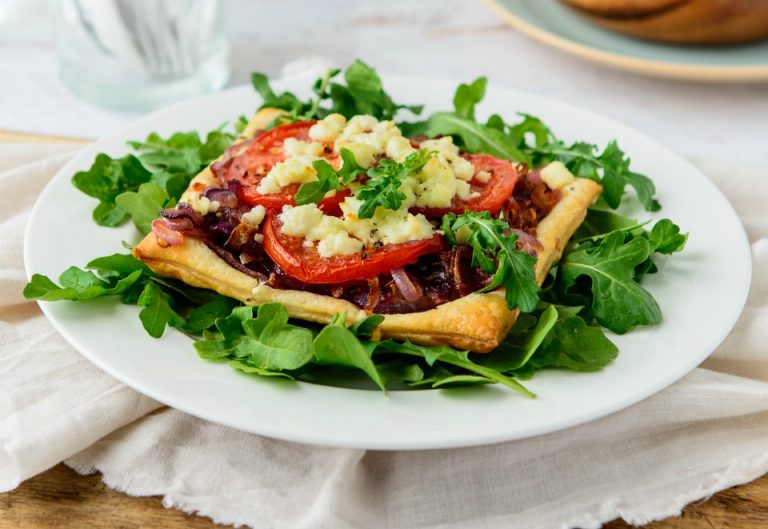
x=141 y=54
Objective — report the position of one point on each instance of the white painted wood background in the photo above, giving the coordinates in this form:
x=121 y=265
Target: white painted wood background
x=445 y=38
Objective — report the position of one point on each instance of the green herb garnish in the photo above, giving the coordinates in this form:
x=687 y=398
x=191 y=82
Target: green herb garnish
x=494 y=251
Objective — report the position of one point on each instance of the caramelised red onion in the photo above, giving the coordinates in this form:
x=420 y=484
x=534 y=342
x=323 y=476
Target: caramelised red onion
x=183 y=210
x=408 y=289
x=225 y=197
x=530 y=244
x=166 y=235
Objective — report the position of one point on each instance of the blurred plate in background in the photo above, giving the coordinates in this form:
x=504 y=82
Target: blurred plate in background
x=553 y=23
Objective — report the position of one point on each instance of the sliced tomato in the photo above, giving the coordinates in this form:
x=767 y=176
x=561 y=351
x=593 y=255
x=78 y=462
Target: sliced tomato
x=307 y=265
x=329 y=205
x=250 y=166
x=492 y=194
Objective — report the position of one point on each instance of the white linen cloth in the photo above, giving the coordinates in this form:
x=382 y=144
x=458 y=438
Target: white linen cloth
x=705 y=433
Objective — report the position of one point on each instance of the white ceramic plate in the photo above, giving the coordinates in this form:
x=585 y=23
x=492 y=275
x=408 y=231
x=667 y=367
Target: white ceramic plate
x=701 y=292
x=555 y=24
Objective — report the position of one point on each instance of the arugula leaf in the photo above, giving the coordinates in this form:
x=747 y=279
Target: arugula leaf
x=447 y=355
x=530 y=141
x=665 y=237
x=77 y=285
x=243 y=365
x=285 y=101
x=203 y=317
x=617 y=301
x=143 y=205
x=365 y=88
x=105 y=179
x=363 y=94
x=468 y=96
x=157 y=312
x=599 y=222
x=168 y=164
x=117 y=265
x=522 y=342
x=268 y=342
x=182 y=152
x=383 y=186
x=494 y=251
x=474 y=136
x=336 y=345
x=400 y=371
x=366 y=327
x=610 y=168
x=571 y=344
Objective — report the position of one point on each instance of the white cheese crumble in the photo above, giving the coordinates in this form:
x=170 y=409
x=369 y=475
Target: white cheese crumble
x=367 y=138
x=202 y=204
x=294 y=170
x=556 y=175
x=386 y=226
x=349 y=234
x=328 y=129
x=448 y=153
x=254 y=216
x=294 y=147
x=483 y=177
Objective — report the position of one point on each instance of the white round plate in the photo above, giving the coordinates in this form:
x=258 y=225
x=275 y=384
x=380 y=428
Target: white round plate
x=557 y=25
x=701 y=293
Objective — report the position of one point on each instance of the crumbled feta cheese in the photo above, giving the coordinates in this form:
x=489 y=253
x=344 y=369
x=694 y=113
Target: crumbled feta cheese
x=328 y=129
x=294 y=170
x=463 y=190
x=254 y=216
x=436 y=184
x=398 y=148
x=202 y=204
x=294 y=147
x=349 y=234
x=386 y=226
x=338 y=243
x=556 y=175
x=367 y=138
x=448 y=153
x=258 y=237
x=298 y=221
x=483 y=177
x=442 y=145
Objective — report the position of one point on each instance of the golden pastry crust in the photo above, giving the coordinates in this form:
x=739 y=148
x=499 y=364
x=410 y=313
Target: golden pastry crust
x=477 y=322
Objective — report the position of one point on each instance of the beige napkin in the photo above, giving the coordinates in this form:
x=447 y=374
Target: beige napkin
x=705 y=433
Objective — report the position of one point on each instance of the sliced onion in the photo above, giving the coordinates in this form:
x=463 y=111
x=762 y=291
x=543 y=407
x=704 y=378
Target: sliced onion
x=530 y=244
x=166 y=236
x=409 y=291
x=225 y=197
x=179 y=224
x=183 y=210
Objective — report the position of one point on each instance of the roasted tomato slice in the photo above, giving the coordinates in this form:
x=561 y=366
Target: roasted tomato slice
x=307 y=265
x=493 y=193
x=256 y=160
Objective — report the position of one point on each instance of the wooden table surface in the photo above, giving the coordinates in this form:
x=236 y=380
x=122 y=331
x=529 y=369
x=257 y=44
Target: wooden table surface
x=62 y=499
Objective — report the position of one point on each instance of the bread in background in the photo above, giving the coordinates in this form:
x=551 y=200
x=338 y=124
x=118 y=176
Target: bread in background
x=681 y=21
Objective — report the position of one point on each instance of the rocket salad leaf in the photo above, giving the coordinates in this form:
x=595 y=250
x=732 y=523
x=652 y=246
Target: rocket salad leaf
x=494 y=251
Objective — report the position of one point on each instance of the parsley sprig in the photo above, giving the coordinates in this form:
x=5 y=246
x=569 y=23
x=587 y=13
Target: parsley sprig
x=329 y=179
x=383 y=186
x=494 y=251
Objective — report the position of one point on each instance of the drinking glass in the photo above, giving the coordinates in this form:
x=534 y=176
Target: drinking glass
x=140 y=54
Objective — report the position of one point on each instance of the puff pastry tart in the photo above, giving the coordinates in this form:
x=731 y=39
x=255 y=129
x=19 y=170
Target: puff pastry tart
x=258 y=226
